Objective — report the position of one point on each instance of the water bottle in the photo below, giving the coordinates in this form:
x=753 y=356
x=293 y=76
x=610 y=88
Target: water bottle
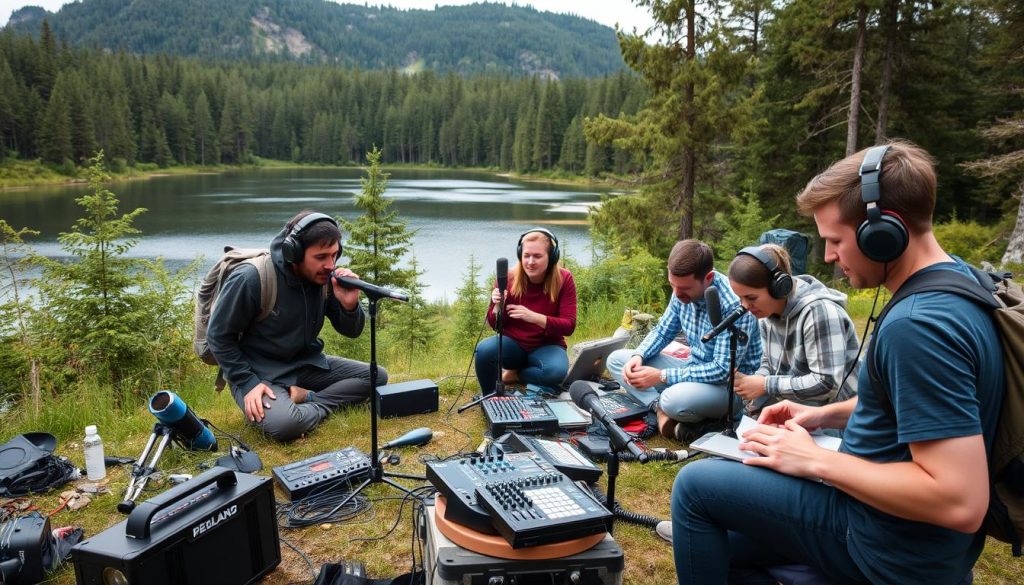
x=95 y=469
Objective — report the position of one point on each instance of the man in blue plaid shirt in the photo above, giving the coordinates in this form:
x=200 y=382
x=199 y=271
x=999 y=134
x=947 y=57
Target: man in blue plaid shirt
x=693 y=389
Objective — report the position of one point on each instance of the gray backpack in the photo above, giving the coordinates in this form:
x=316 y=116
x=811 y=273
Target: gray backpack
x=210 y=287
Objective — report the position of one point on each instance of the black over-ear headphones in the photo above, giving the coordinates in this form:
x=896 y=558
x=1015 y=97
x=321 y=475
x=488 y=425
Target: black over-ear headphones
x=292 y=249
x=883 y=235
x=780 y=282
x=554 y=252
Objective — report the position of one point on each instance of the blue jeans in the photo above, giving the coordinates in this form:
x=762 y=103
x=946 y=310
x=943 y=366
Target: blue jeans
x=544 y=366
x=730 y=520
x=687 y=402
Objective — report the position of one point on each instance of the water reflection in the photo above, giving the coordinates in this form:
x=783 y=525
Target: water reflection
x=453 y=213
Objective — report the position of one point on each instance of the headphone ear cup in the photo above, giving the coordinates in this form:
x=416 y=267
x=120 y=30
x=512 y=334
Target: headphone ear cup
x=781 y=285
x=884 y=239
x=291 y=250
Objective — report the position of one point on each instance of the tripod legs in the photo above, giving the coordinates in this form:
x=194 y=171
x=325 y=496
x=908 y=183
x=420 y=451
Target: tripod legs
x=141 y=471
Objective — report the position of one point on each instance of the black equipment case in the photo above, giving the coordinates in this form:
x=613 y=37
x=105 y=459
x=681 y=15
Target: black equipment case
x=218 y=527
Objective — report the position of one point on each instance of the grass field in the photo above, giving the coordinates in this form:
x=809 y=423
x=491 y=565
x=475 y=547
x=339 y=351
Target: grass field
x=381 y=537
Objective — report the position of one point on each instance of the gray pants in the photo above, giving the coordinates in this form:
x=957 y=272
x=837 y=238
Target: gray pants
x=346 y=382
x=686 y=402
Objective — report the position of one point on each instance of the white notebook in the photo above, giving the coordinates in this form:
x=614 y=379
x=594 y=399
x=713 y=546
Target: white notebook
x=729 y=447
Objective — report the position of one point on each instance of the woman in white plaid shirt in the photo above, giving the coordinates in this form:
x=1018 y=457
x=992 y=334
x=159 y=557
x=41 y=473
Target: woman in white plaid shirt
x=810 y=343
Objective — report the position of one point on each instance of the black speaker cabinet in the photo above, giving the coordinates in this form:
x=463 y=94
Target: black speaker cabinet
x=406 y=398
x=218 y=528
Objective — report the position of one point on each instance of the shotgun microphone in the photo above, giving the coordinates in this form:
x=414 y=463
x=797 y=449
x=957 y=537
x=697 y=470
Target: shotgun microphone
x=371 y=290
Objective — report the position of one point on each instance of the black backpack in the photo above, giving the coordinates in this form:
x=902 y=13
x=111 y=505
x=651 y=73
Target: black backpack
x=1005 y=298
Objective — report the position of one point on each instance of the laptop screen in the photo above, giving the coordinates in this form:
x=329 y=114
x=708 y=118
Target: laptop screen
x=590 y=359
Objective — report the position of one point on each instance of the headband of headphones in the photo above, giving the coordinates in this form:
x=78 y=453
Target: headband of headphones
x=554 y=253
x=883 y=235
x=780 y=282
x=292 y=249
x=870 y=171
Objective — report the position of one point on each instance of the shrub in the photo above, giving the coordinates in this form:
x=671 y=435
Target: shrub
x=970 y=240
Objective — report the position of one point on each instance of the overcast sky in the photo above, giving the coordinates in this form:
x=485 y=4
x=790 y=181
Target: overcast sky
x=607 y=12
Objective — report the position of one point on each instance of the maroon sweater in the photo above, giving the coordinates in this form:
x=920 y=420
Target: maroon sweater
x=561 y=314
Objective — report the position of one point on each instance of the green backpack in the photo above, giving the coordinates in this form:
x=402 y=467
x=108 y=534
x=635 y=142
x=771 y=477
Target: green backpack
x=210 y=288
x=1005 y=298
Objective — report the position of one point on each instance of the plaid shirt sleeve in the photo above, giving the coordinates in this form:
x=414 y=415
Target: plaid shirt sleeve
x=825 y=349
x=663 y=333
x=709 y=362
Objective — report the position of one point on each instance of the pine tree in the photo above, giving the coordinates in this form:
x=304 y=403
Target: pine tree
x=55 y=130
x=204 y=131
x=377 y=239
x=415 y=325
x=16 y=312
x=96 y=296
x=470 y=304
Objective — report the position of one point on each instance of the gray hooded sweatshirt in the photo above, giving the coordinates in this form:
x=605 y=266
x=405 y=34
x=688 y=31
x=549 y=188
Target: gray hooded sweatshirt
x=273 y=350
x=808 y=349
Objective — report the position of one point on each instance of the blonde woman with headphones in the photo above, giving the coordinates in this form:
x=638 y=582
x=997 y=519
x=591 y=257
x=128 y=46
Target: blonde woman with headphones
x=810 y=343
x=540 y=312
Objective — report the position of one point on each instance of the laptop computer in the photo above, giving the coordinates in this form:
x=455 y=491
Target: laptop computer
x=590 y=359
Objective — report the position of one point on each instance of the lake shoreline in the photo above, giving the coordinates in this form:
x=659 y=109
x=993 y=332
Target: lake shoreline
x=14 y=184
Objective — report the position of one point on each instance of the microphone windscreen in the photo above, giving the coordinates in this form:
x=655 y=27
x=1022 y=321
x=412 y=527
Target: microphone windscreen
x=714 y=305
x=502 y=273
x=579 y=390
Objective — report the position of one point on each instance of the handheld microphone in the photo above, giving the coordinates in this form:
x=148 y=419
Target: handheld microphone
x=371 y=290
x=188 y=430
x=583 y=394
x=725 y=324
x=714 y=305
x=420 y=436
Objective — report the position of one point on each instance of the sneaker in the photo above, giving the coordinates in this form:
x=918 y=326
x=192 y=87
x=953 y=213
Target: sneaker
x=664 y=530
x=690 y=432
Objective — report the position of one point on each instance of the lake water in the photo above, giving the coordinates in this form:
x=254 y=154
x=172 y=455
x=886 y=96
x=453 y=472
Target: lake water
x=454 y=214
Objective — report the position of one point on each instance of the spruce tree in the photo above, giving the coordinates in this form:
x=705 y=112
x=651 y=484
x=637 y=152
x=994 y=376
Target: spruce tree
x=18 y=355
x=470 y=304
x=106 y=317
x=378 y=239
x=415 y=325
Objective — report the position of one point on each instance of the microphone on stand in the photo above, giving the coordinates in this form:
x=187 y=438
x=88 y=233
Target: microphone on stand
x=714 y=305
x=371 y=290
x=583 y=394
x=499 y=318
x=725 y=324
x=502 y=272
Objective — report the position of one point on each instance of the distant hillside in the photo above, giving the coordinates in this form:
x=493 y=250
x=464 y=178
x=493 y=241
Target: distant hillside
x=478 y=38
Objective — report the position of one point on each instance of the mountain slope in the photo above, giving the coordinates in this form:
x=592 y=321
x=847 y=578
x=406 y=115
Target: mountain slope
x=477 y=38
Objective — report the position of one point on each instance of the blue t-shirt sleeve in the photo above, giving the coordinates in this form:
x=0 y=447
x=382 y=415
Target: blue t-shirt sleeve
x=930 y=366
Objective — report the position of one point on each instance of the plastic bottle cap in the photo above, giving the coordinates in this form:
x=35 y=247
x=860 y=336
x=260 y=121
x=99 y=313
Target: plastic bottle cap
x=90 y=430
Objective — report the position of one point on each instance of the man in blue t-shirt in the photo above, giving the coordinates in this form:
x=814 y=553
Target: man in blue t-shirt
x=904 y=498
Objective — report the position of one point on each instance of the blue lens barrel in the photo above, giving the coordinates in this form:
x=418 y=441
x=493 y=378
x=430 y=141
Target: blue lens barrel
x=171 y=410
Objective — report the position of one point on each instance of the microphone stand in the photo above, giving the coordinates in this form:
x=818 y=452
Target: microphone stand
x=377 y=473
x=499 y=386
x=736 y=335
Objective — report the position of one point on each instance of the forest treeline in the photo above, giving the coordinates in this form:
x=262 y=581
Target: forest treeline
x=725 y=100
x=472 y=39
x=62 y=104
